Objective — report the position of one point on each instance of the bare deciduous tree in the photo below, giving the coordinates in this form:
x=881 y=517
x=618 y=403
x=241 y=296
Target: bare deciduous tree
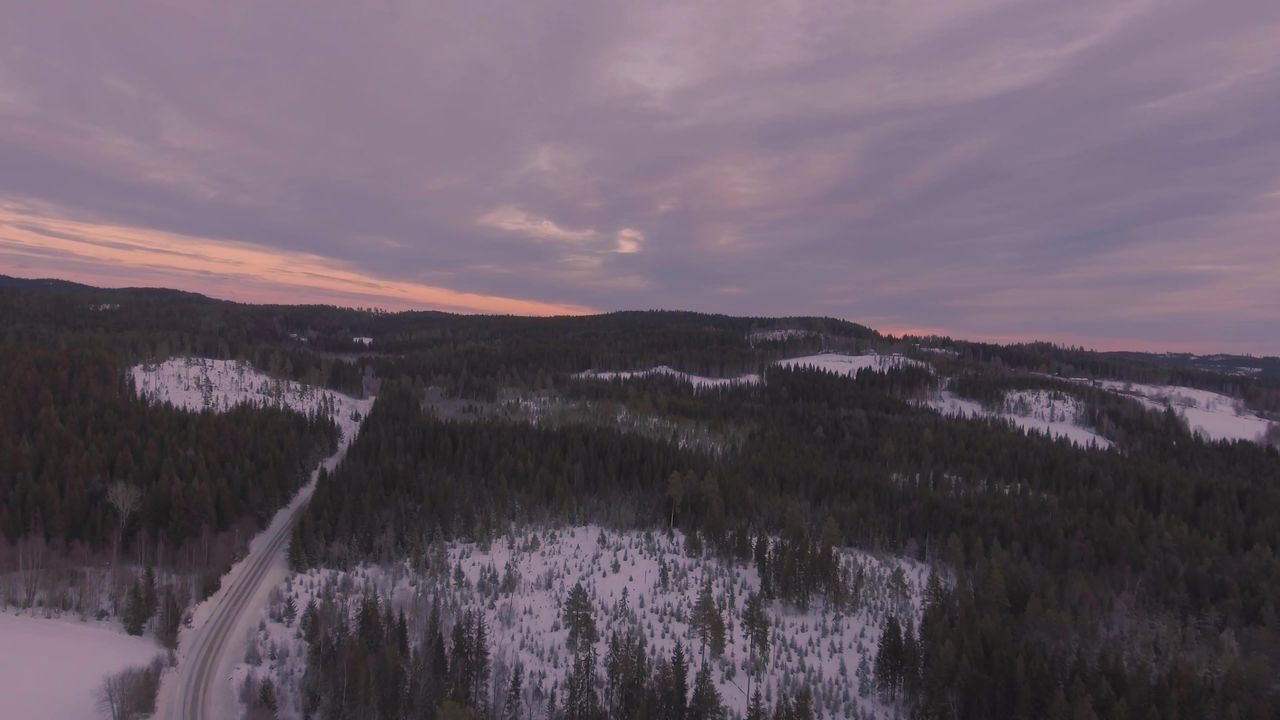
x=30 y=566
x=124 y=498
x=131 y=693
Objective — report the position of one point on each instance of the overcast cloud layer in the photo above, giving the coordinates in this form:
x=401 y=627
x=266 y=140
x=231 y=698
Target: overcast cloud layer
x=1098 y=172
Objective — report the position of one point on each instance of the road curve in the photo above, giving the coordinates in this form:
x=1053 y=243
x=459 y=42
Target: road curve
x=203 y=657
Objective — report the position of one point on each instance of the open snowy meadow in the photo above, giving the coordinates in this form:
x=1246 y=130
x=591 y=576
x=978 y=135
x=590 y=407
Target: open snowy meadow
x=51 y=669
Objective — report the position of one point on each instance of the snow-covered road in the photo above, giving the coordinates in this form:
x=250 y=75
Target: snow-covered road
x=208 y=652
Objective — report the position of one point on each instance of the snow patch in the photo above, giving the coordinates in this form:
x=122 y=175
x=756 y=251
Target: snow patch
x=759 y=336
x=1054 y=414
x=1216 y=416
x=199 y=384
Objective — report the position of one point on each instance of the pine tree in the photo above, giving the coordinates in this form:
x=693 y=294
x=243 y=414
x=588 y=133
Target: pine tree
x=135 y=611
x=579 y=618
x=515 y=690
x=290 y=611
x=802 y=708
x=756 y=710
x=889 y=658
x=705 y=704
x=169 y=620
x=581 y=701
x=673 y=685
x=311 y=623
x=150 y=596
x=267 y=695
x=755 y=629
x=707 y=622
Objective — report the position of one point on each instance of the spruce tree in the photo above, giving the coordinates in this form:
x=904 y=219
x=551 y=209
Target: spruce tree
x=135 y=615
x=705 y=703
x=707 y=622
x=579 y=618
x=889 y=658
x=290 y=611
x=515 y=690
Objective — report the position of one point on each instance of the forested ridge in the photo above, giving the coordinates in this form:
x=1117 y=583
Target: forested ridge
x=94 y=477
x=1115 y=577
x=82 y=428
x=1138 y=581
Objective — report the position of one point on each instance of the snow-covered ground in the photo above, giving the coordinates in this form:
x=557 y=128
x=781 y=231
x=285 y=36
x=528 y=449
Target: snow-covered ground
x=699 y=382
x=637 y=580
x=850 y=364
x=1042 y=411
x=198 y=384
x=52 y=669
x=1216 y=416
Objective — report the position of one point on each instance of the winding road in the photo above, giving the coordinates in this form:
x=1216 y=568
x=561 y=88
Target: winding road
x=200 y=689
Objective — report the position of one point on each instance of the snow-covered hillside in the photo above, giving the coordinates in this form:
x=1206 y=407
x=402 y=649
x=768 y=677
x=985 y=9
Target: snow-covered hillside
x=1042 y=411
x=1216 y=416
x=850 y=364
x=636 y=580
x=52 y=669
x=841 y=364
x=699 y=382
x=199 y=384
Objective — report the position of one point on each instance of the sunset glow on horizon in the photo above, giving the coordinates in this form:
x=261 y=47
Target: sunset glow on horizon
x=225 y=269
x=1103 y=173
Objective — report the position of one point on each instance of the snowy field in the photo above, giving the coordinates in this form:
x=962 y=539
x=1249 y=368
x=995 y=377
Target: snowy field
x=52 y=669
x=199 y=384
x=637 y=580
x=1053 y=414
x=1216 y=416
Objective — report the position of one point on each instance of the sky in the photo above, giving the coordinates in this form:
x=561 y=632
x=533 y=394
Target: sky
x=1096 y=172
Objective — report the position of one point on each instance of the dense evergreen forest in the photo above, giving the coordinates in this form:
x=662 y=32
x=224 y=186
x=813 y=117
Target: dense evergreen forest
x=93 y=476
x=1138 y=581
x=1123 y=580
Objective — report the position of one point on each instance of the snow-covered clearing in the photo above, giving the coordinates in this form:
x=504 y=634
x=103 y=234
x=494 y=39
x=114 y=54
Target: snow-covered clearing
x=838 y=363
x=198 y=384
x=52 y=669
x=637 y=580
x=1216 y=416
x=849 y=365
x=759 y=336
x=1049 y=413
x=698 y=381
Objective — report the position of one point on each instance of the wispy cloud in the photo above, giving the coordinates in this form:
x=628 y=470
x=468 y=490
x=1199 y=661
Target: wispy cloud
x=1096 y=171
x=32 y=232
x=510 y=219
